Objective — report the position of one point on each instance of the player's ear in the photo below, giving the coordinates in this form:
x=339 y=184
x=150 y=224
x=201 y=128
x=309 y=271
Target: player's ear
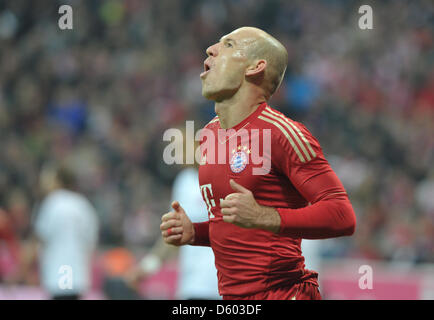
x=256 y=68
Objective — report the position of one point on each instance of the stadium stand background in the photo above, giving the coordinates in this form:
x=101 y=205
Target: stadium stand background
x=102 y=94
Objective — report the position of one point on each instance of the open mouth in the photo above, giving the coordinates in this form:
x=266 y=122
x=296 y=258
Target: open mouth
x=207 y=69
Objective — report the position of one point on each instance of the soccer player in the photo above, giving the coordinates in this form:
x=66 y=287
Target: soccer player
x=197 y=276
x=65 y=236
x=256 y=221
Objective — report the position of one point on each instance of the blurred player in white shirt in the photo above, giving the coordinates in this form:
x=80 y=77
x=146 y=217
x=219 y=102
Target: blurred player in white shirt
x=311 y=250
x=197 y=277
x=66 y=228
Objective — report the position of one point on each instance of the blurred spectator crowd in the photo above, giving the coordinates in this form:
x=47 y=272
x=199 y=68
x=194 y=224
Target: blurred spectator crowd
x=101 y=95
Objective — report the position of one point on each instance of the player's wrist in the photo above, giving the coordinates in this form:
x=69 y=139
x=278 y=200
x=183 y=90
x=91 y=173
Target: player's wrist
x=270 y=219
x=200 y=234
x=191 y=242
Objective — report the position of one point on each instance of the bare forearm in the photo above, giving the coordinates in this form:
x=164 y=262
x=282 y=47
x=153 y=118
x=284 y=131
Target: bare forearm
x=269 y=219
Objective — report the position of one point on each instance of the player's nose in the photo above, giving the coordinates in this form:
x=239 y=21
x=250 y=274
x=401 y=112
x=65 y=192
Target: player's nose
x=212 y=50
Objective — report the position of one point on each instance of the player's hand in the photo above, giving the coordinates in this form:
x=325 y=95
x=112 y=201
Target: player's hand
x=176 y=227
x=241 y=209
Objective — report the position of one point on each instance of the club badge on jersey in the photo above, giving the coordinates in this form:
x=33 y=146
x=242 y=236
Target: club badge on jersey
x=239 y=159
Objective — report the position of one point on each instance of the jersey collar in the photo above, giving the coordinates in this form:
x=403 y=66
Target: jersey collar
x=251 y=117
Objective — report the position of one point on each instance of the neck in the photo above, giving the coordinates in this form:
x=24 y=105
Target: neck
x=237 y=108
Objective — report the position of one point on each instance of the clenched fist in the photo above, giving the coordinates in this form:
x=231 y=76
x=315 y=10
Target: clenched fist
x=241 y=209
x=176 y=227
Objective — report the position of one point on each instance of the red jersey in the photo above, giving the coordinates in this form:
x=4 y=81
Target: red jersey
x=254 y=260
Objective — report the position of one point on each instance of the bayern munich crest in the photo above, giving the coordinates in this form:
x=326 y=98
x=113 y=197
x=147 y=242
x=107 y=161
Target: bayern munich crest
x=238 y=161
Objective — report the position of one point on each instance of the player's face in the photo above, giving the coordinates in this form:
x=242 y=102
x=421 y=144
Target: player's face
x=225 y=67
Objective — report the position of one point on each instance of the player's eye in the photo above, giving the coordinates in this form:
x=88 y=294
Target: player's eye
x=228 y=44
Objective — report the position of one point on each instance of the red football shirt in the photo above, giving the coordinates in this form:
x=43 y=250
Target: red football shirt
x=272 y=156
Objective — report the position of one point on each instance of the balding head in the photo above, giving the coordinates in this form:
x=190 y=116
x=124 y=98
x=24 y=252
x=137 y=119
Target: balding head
x=261 y=45
x=245 y=58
